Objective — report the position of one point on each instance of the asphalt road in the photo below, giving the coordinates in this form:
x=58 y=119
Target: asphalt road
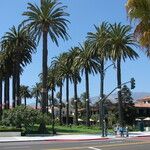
x=136 y=144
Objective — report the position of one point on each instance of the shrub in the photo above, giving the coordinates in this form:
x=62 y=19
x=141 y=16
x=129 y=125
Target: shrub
x=25 y=117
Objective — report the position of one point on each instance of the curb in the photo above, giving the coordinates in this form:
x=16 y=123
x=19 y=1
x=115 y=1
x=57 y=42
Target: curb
x=57 y=140
x=20 y=141
x=71 y=140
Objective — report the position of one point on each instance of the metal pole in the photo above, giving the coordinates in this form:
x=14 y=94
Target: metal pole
x=103 y=100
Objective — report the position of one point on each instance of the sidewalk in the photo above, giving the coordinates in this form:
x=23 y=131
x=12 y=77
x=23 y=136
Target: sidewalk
x=69 y=137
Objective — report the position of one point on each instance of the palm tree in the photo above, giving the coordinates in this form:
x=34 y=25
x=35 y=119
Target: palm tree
x=57 y=64
x=25 y=93
x=75 y=75
x=138 y=11
x=47 y=19
x=6 y=66
x=99 y=50
x=87 y=65
x=65 y=72
x=18 y=45
x=121 y=42
x=36 y=93
x=1 y=86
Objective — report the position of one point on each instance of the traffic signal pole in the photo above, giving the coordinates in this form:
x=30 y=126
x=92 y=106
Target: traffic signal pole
x=132 y=81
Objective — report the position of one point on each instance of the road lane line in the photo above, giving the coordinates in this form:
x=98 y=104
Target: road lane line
x=94 y=148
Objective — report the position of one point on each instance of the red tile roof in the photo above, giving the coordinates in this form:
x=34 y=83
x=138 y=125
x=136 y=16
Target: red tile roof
x=143 y=102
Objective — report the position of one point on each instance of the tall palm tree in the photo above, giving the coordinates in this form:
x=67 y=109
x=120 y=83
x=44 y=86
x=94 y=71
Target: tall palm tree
x=6 y=72
x=65 y=72
x=18 y=44
x=87 y=66
x=25 y=93
x=139 y=11
x=99 y=50
x=49 y=19
x=121 y=47
x=75 y=76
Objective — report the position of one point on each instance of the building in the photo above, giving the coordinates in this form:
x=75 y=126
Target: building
x=143 y=107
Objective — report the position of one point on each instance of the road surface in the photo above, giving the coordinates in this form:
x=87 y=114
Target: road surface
x=125 y=144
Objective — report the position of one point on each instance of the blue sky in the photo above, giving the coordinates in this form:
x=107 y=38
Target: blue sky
x=83 y=15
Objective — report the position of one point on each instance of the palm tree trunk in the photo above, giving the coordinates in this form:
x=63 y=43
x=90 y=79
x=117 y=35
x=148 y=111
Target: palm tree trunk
x=42 y=127
x=6 y=93
x=60 y=106
x=25 y=101
x=14 y=88
x=44 y=68
x=119 y=92
x=1 y=98
x=47 y=102
x=53 y=115
x=76 y=101
x=101 y=110
x=18 y=85
x=67 y=100
x=36 y=106
x=87 y=98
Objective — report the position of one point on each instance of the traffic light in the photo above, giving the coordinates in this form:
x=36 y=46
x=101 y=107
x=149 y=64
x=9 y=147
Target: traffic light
x=132 y=83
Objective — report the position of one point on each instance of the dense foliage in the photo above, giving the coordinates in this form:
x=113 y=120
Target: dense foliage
x=128 y=106
x=27 y=117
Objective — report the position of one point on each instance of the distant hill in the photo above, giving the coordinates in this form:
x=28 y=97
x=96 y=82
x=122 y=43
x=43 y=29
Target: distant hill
x=112 y=97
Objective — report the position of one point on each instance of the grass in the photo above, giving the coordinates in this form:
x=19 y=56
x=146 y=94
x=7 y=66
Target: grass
x=59 y=129
x=9 y=129
x=76 y=129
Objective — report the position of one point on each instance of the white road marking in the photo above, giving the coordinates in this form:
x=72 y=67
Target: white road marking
x=94 y=148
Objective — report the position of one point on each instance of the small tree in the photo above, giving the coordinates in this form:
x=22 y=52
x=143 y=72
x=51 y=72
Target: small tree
x=129 y=112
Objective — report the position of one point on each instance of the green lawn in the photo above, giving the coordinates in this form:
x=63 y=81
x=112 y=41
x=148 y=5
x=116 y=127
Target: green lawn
x=61 y=129
x=76 y=129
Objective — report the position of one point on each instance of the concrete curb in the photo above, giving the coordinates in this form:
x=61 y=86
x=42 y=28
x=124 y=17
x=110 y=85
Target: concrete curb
x=57 y=140
x=71 y=140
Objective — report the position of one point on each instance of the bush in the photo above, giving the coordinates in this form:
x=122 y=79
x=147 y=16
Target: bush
x=25 y=117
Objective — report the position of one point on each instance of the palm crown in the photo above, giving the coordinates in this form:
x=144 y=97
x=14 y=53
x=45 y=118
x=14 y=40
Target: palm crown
x=121 y=42
x=50 y=17
x=139 y=11
x=20 y=44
